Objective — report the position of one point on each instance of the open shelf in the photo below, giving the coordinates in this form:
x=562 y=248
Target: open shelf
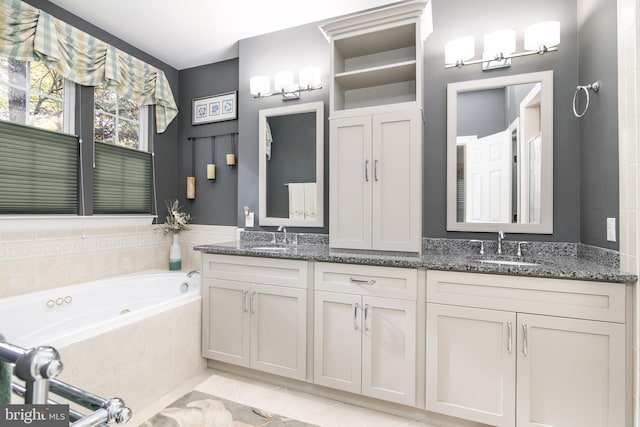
x=377 y=76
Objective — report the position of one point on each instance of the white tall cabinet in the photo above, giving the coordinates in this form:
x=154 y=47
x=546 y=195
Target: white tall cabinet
x=375 y=185
x=376 y=121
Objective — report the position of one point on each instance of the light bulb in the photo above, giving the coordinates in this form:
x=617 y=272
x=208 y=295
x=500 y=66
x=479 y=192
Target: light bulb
x=543 y=34
x=459 y=50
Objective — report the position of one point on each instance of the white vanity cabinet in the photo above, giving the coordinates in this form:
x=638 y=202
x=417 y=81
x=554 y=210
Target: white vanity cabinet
x=518 y=351
x=255 y=313
x=365 y=330
x=375 y=182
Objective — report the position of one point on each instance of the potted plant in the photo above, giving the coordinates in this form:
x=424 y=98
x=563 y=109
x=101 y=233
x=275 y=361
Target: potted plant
x=176 y=221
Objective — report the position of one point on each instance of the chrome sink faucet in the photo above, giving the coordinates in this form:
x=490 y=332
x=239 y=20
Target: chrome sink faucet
x=500 y=239
x=284 y=230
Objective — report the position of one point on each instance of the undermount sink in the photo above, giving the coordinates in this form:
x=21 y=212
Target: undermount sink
x=270 y=248
x=508 y=262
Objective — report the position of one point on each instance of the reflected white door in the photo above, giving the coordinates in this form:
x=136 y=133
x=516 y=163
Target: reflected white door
x=488 y=175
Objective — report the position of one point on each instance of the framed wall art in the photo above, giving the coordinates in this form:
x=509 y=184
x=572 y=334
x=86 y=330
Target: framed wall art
x=215 y=108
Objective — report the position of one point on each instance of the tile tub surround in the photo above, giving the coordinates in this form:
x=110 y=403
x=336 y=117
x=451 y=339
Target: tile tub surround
x=140 y=362
x=557 y=260
x=32 y=261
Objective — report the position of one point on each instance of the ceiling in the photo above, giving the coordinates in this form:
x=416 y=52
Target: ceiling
x=189 y=33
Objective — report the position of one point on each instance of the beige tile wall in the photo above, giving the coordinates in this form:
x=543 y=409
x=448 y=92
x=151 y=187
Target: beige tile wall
x=628 y=119
x=36 y=260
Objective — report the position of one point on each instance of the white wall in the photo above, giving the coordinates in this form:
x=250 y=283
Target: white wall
x=628 y=119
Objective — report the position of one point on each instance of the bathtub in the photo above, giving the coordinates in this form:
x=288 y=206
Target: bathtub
x=62 y=316
x=136 y=337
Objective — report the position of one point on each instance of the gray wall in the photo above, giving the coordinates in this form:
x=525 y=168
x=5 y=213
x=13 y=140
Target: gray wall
x=597 y=60
x=216 y=200
x=293 y=158
x=457 y=18
x=290 y=49
x=165 y=144
x=481 y=112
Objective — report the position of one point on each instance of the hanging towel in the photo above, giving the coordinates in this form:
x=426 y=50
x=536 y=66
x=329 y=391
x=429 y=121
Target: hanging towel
x=6 y=372
x=296 y=200
x=268 y=139
x=310 y=192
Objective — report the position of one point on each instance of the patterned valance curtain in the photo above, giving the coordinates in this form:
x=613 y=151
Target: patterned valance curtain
x=29 y=33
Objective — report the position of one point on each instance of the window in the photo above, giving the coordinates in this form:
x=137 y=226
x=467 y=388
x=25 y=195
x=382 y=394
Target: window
x=118 y=121
x=123 y=169
x=38 y=156
x=33 y=95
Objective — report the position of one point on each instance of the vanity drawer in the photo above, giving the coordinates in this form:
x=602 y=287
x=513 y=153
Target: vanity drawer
x=268 y=271
x=391 y=282
x=556 y=297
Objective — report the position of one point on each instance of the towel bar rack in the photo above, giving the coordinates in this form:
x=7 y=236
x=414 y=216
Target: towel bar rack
x=38 y=367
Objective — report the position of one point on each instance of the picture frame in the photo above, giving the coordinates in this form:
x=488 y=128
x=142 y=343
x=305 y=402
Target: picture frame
x=215 y=108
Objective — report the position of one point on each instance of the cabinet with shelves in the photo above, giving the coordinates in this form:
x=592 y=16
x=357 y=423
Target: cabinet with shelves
x=526 y=352
x=377 y=57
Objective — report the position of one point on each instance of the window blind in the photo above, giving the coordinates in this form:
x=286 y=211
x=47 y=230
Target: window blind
x=121 y=180
x=38 y=171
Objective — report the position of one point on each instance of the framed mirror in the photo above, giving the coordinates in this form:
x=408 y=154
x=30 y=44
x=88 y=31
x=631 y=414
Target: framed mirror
x=500 y=154
x=291 y=164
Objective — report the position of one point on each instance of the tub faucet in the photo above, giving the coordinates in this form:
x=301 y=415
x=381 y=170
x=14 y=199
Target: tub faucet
x=192 y=272
x=284 y=230
x=500 y=239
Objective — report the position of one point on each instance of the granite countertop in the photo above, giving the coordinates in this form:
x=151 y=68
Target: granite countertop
x=562 y=263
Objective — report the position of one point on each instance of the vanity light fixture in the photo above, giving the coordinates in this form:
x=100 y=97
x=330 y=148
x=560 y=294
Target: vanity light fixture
x=283 y=84
x=500 y=46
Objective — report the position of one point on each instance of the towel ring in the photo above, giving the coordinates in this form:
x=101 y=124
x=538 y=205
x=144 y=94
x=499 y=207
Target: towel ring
x=595 y=86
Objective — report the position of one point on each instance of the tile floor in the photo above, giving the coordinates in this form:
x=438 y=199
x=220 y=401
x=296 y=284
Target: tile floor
x=298 y=405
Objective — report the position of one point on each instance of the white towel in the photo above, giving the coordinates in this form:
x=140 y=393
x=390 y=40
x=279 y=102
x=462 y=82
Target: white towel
x=268 y=139
x=296 y=200
x=310 y=198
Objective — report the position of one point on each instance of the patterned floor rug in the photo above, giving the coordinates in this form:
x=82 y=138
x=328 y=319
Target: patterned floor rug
x=196 y=409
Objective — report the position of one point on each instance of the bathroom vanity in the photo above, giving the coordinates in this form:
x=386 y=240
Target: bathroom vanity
x=529 y=342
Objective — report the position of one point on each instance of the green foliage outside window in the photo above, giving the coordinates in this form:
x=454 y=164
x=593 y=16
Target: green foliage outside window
x=31 y=94
x=116 y=120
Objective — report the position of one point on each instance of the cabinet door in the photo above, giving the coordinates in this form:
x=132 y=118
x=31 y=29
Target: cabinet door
x=337 y=341
x=471 y=363
x=397 y=178
x=570 y=372
x=226 y=321
x=350 y=178
x=389 y=349
x=279 y=330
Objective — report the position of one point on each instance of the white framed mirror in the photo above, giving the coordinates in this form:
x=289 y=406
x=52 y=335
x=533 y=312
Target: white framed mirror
x=291 y=165
x=500 y=154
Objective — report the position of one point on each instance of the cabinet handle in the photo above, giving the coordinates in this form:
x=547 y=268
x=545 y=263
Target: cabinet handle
x=244 y=301
x=375 y=170
x=362 y=282
x=510 y=339
x=524 y=339
x=366 y=310
x=355 y=316
x=253 y=308
x=366 y=170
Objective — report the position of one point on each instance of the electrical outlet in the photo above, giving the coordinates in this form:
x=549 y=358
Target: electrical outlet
x=611 y=229
x=248 y=221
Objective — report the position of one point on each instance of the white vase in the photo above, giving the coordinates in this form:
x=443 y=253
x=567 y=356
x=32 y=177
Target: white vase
x=175 y=259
